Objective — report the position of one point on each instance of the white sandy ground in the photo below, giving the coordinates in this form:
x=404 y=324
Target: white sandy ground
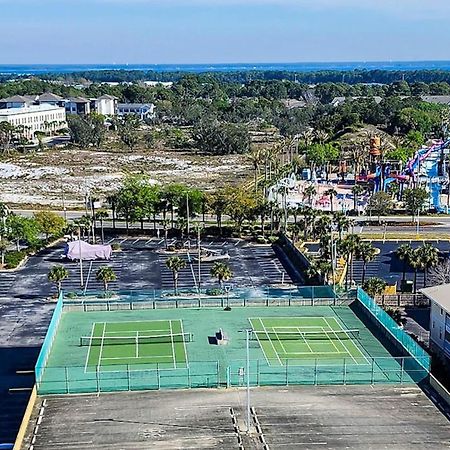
x=40 y=179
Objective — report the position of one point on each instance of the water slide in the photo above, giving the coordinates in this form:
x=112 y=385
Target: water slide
x=427 y=159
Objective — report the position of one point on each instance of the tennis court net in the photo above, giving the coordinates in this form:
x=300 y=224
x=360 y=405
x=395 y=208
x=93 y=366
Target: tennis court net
x=295 y=335
x=135 y=340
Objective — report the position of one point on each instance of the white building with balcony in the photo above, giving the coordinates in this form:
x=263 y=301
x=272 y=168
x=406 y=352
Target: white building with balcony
x=439 y=319
x=30 y=119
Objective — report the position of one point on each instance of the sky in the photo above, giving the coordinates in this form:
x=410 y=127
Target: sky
x=221 y=31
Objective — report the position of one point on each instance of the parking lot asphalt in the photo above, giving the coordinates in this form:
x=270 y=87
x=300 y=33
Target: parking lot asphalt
x=302 y=417
x=141 y=266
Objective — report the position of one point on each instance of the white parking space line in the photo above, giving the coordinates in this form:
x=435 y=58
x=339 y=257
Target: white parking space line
x=136 y=241
x=123 y=240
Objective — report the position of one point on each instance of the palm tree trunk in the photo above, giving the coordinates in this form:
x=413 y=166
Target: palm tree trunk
x=415 y=281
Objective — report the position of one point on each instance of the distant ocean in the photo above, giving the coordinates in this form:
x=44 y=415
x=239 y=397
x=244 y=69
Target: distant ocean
x=24 y=69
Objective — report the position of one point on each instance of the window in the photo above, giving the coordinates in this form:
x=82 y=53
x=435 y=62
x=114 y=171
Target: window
x=434 y=324
x=440 y=333
x=442 y=312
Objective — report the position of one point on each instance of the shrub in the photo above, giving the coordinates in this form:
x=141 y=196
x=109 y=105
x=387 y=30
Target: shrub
x=214 y=291
x=14 y=258
x=116 y=246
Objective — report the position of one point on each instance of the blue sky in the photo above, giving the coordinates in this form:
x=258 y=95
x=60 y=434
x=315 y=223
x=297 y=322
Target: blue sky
x=209 y=31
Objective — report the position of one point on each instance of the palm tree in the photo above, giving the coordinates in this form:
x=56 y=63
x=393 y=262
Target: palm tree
x=323 y=226
x=165 y=224
x=106 y=275
x=175 y=264
x=101 y=215
x=349 y=246
x=415 y=261
x=222 y=272
x=58 y=274
x=403 y=253
x=325 y=268
x=342 y=222
x=357 y=190
x=331 y=193
x=310 y=192
x=3 y=248
x=429 y=257
x=365 y=252
x=374 y=286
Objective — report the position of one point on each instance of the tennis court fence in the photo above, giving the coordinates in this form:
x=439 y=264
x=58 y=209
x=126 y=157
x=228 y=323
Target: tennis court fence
x=49 y=338
x=211 y=374
x=135 y=300
x=391 y=330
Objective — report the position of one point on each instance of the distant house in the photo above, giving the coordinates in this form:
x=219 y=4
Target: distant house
x=292 y=103
x=106 y=105
x=436 y=99
x=78 y=105
x=18 y=101
x=49 y=98
x=439 y=319
x=142 y=110
x=338 y=101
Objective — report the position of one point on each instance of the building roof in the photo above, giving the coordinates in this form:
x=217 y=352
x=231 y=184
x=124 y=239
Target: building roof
x=292 y=103
x=78 y=100
x=107 y=97
x=19 y=99
x=29 y=109
x=50 y=97
x=439 y=294
x=439 y=99
x=340 y=100
x=136 y=105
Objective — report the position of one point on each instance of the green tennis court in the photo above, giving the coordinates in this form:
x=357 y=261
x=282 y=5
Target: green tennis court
x=285 y=340
x=147 y=344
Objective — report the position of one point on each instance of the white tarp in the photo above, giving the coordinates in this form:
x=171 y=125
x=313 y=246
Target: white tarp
x=88 y=251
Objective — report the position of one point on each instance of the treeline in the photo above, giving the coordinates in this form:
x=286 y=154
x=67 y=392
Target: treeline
x=245 y=76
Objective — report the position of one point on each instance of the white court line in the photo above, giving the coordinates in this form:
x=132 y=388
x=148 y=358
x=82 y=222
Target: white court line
x=101 y=346
x=137 y=344
x=306 y=342
x=136 y=357
x=282 y=346
x=140 y=331
x=89 y=349
x=270 y=340
x=340 y=340
x=315 y=353
x=259 y=342
x=184 y=344
x=173 y=345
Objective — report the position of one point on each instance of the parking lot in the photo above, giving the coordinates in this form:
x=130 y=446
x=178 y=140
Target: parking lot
x=141 y=265
x=386 y=265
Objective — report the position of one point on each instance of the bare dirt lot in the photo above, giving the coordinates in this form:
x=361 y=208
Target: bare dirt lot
x=39 y=179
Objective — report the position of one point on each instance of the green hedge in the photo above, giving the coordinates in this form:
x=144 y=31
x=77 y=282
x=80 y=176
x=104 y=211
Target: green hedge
x=14 y=258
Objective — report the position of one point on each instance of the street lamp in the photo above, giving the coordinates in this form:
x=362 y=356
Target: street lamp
x=248 y=331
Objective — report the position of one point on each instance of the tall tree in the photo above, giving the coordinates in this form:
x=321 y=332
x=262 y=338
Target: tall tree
x=365 y=252
x=57 y=275
x=222 y=272
x=106 y=275
x=175 y=264
x=403 y=253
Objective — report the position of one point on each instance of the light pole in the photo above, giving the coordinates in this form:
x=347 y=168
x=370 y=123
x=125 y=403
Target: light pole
x=81 y=259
